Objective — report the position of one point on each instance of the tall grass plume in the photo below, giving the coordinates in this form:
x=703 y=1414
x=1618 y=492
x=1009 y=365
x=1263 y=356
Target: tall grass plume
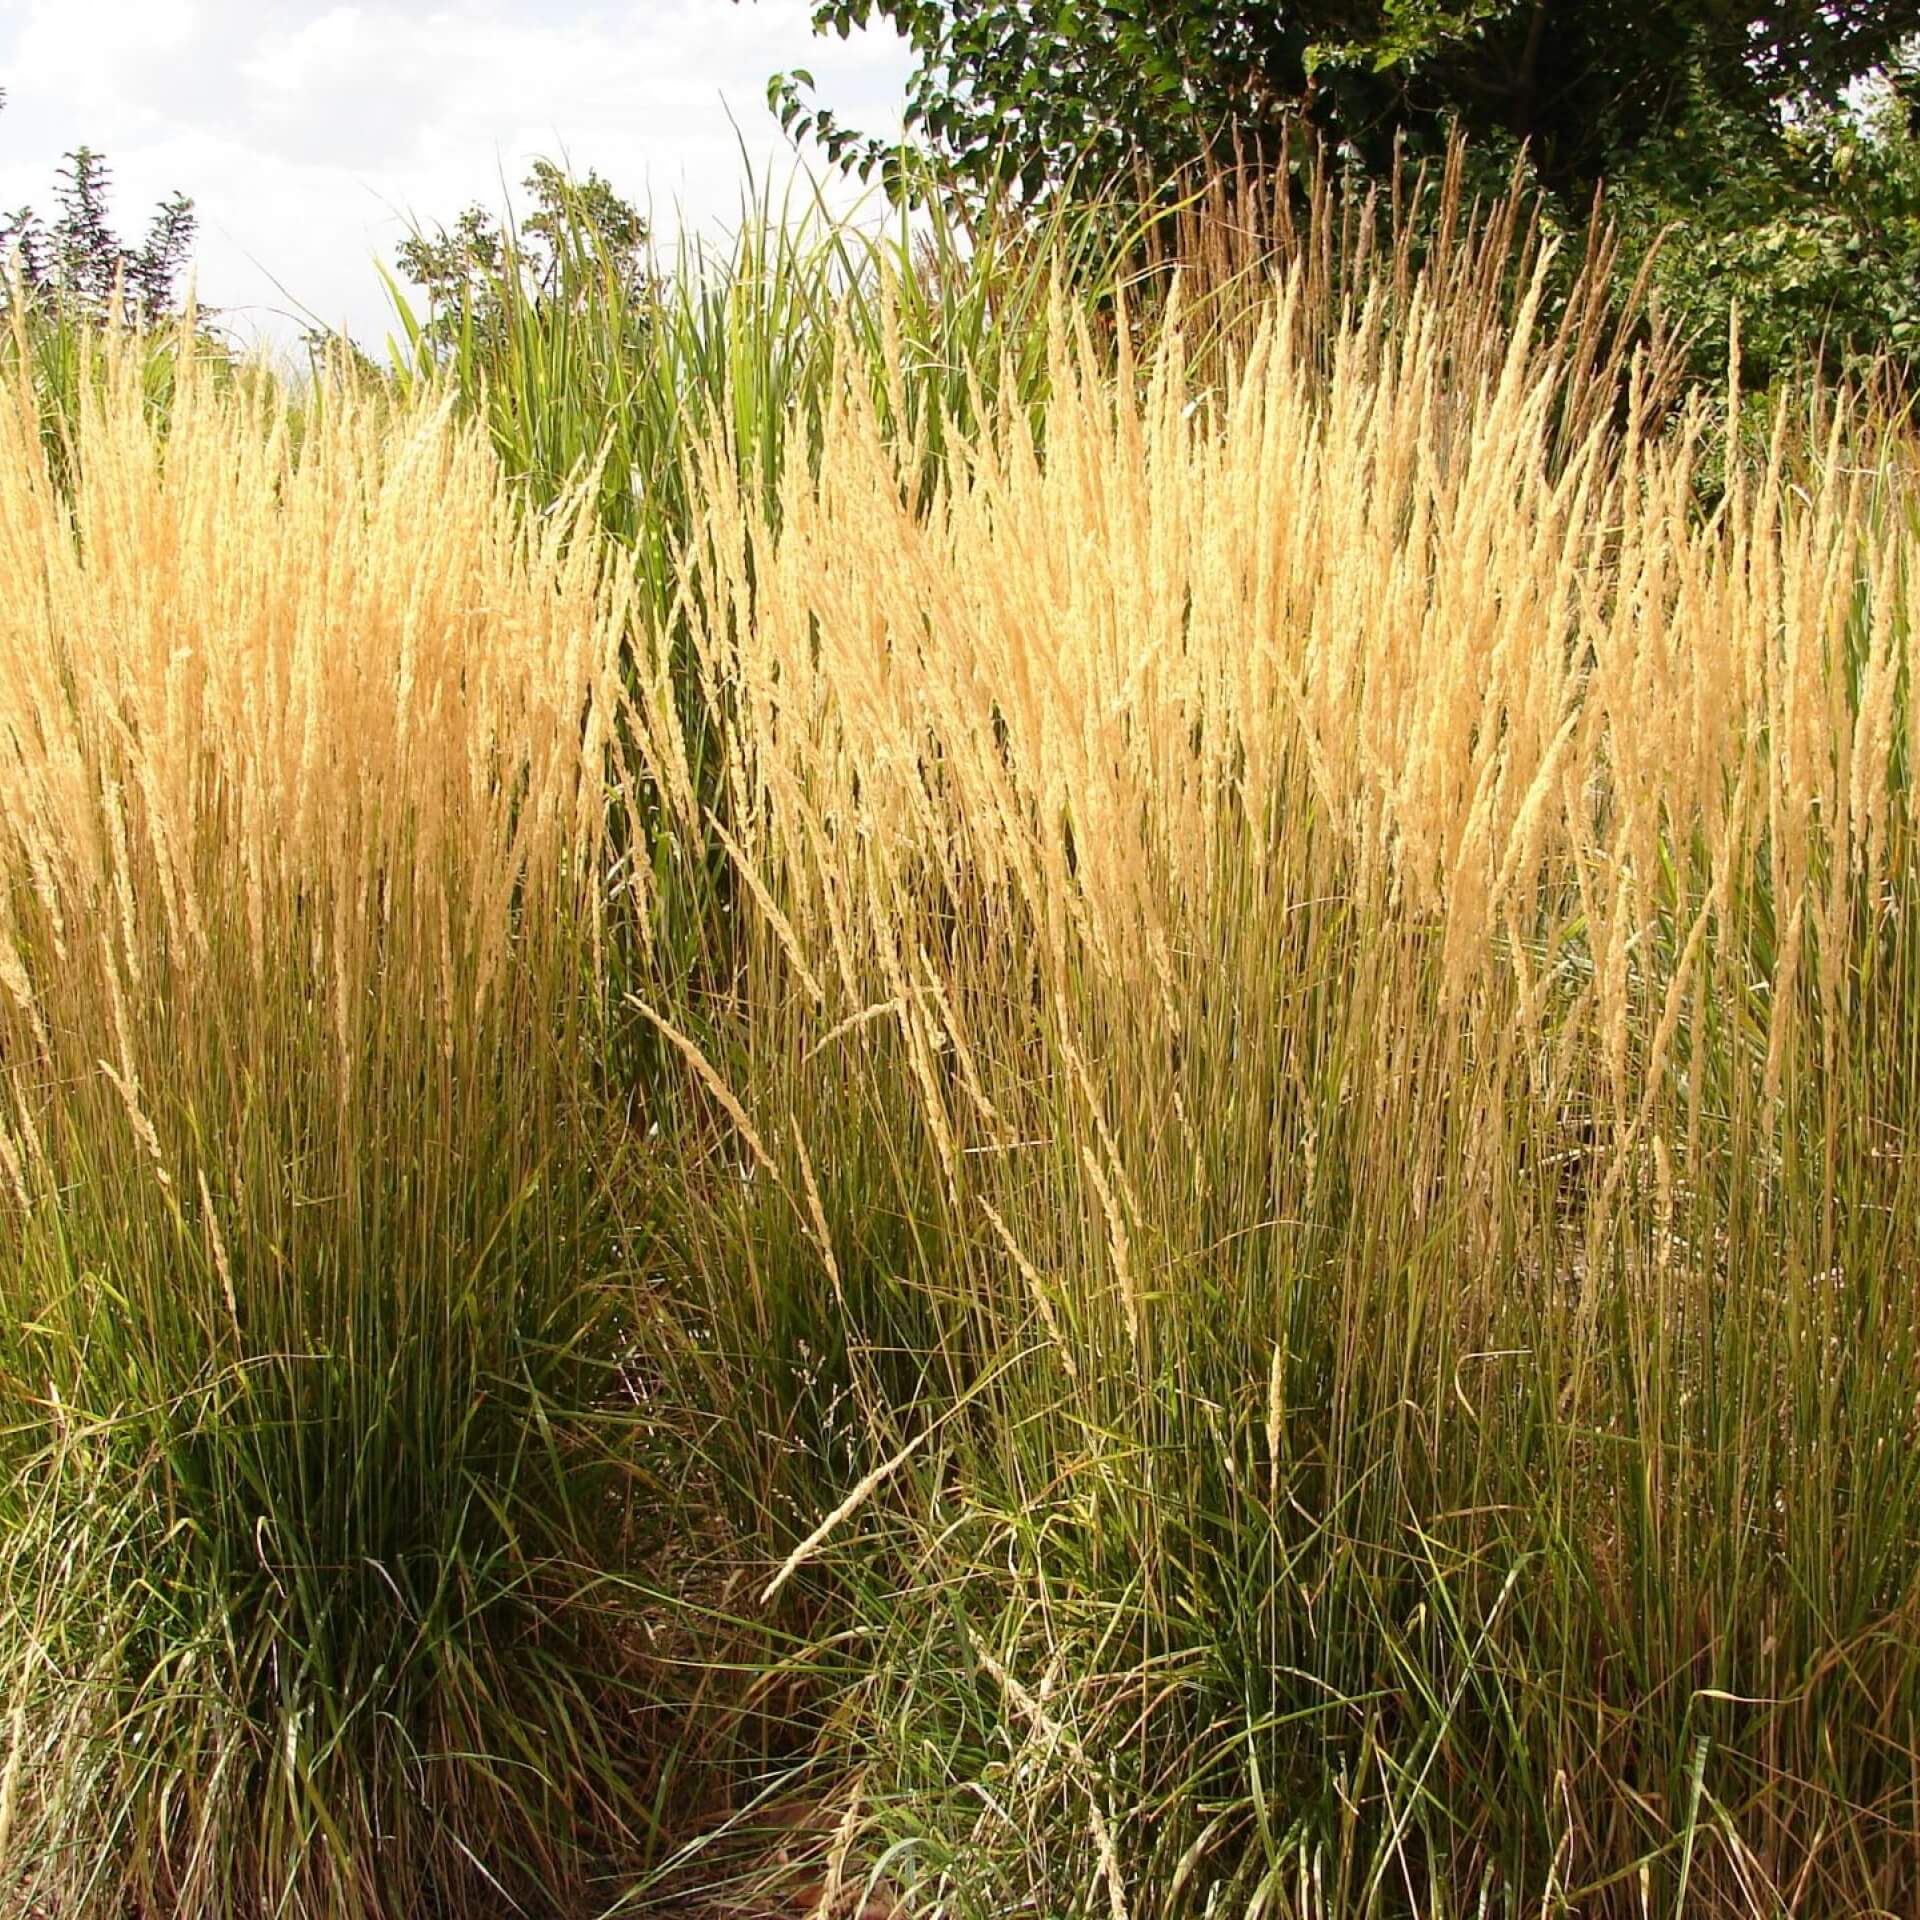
x=311 y=1507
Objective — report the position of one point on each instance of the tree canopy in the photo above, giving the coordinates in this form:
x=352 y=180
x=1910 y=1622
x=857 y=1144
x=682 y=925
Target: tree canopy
x=1774 y=145
x=1038 y=87
x=578 y=235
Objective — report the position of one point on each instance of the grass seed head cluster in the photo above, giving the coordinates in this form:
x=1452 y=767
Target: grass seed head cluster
x=1185 y=1026
x=1327 y=1014
x=307 y=793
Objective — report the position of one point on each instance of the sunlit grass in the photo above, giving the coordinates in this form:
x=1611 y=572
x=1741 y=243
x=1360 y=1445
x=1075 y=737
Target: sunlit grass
x=316 y=1492
x=1110 y=1072
x=1309 y=1214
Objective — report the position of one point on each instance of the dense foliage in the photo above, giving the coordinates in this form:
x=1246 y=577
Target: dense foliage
x=1778 y=141
x=1038 y=88
x=1813 y=230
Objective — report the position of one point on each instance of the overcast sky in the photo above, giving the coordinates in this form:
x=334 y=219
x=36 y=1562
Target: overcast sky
x=309 y=134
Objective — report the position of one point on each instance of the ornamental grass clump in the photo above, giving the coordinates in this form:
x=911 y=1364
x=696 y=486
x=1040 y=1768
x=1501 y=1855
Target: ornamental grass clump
x=313 y=1497
x=1310 y=1222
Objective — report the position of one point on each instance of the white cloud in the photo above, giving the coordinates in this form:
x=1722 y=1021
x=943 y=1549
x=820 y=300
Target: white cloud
x=309 y=134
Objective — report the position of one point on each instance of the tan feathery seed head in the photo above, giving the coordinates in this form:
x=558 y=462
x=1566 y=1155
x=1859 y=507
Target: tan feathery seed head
x=1361 y=633
x=282 y=698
